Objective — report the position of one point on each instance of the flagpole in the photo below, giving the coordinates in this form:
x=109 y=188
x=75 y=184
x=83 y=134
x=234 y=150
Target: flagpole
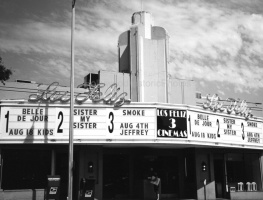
x=71 y=120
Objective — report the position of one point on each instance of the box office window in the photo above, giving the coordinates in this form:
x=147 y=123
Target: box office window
x=243 y=167
x=25 y=169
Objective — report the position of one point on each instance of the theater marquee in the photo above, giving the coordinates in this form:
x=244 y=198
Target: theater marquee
x=133 y=123
x=224 y=128
x=32 y=122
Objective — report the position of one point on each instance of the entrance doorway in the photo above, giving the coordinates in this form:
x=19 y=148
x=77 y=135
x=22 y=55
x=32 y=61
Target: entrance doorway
x=167 y=169
x=220 y=176
x=124 y=174
x=115 y=176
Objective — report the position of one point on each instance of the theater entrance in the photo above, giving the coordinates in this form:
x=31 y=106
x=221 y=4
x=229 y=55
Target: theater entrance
x=220 y=177
x=167 y=170
x=125 y=173
x=115 y=176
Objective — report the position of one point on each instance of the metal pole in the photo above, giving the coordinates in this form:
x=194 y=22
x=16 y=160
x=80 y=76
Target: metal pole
x=1 y=167
x=205 y=189
x=71 y=119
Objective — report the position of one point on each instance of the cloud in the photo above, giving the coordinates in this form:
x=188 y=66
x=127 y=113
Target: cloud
x=243 y=77
x=210 y=41
x=219 y=45
x=35 y=37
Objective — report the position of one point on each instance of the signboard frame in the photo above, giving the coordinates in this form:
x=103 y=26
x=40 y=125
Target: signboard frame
x=114 y=121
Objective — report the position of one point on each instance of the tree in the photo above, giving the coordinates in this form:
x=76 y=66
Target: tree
x=4 y=72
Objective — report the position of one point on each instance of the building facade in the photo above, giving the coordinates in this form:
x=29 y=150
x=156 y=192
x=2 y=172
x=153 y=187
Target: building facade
x=125 y=124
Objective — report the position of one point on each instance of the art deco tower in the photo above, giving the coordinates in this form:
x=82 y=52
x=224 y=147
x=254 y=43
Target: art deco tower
x=143 y=54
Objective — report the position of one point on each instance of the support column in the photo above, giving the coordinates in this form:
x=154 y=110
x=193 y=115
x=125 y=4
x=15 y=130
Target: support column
x=1 y=168
x=261 y=171
x=53 y=162
x=131 y=175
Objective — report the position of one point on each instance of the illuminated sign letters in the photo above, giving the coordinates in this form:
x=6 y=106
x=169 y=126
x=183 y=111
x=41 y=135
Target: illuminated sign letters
x=236 y=106
x=110 y=96
x=171 y=123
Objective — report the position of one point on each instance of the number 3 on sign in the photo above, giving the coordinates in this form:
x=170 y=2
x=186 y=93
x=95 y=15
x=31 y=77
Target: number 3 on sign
x=173 y=123
x=111 y=126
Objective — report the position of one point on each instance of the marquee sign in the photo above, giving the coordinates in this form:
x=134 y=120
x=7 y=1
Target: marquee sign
x=223 y=128
x=171 y=123
x=130 y=123
x=32 y=122
x=236 y=106
x=110 y=96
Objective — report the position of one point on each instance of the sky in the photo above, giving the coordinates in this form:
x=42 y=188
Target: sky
x=216 y=43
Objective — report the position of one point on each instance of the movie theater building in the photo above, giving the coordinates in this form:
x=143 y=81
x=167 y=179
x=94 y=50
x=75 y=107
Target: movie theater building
x=126 y=123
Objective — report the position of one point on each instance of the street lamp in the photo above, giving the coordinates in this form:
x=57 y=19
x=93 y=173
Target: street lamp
x=71 y=118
